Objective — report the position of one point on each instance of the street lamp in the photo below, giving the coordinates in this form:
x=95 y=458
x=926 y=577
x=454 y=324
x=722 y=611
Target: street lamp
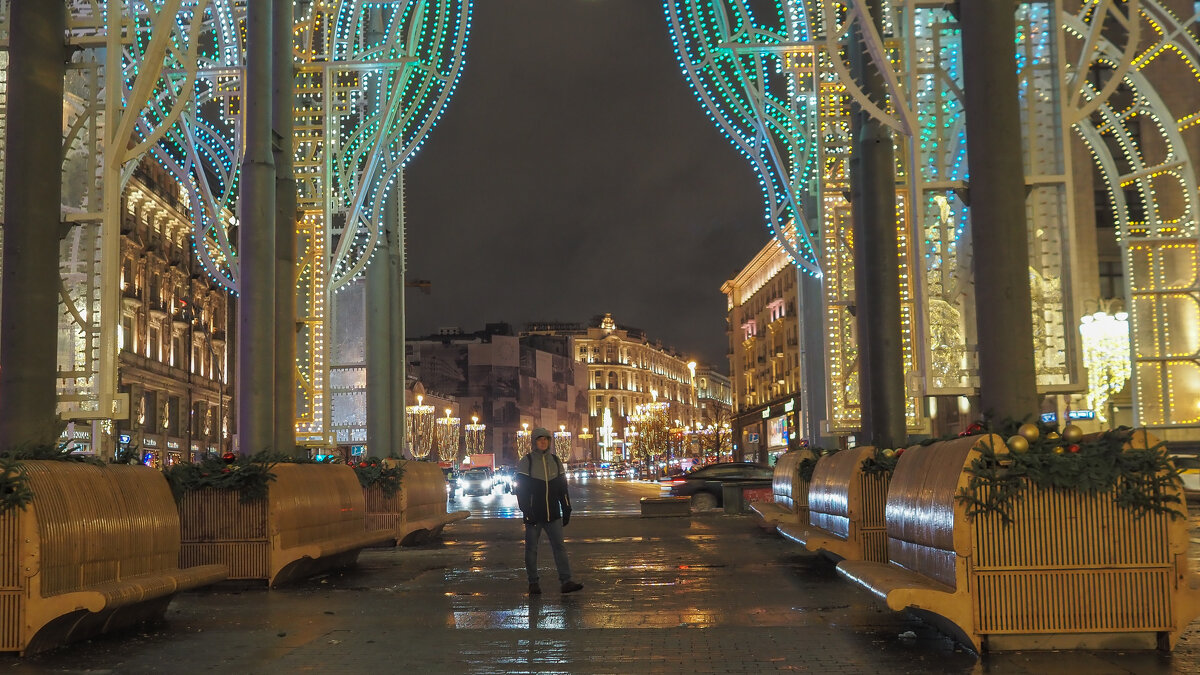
x=419 y=430
x=475 y=436
x=523 y=440
x=585 y=436
x=447 y=437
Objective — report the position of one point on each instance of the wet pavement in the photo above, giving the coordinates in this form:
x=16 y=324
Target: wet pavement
x=706 y=594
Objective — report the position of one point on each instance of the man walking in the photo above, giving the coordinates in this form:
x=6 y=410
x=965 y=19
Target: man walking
x=542 y=495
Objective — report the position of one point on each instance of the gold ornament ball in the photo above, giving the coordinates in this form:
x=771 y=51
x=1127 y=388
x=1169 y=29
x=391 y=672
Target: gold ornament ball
x=1058 y=450
x=1029 y=431
x=1052 y=436
x=888 y=452
x=1072 y=434
x=1018 y=444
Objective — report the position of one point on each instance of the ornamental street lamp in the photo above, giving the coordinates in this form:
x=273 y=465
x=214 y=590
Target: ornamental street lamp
x=447 y=437
x=523 y=440
x=419 y=430
x=475 y=436
x=586 y=436
x=562 y=443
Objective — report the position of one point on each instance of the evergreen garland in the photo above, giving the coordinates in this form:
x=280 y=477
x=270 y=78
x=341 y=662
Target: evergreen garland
x=883 y=461
x=15 y=492
x=806 y=465
x=373 y=471
x=1143 y=481
x=249 y=476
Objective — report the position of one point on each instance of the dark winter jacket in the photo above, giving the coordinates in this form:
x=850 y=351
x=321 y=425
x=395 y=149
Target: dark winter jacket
x=541 y=487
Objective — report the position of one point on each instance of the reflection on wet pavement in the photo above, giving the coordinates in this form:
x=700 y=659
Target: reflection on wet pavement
x=709 y=593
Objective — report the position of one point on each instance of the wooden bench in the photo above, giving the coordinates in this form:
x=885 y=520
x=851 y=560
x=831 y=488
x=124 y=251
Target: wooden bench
x=790 y=491
x=418 y=512
x=313 y=519
x=845 y=509
x=95 y=551
x=1071 y=571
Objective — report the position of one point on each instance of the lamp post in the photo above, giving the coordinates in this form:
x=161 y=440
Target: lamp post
x=419 y=429
x=447 y=437
x=523 y=440
x=586 y=436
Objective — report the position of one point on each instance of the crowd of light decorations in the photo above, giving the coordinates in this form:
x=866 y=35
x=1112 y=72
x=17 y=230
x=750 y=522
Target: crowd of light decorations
x=774 y=78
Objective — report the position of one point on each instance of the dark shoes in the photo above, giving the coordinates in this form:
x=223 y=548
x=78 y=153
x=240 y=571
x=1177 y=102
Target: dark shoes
x=571 y=586
x=535 y=589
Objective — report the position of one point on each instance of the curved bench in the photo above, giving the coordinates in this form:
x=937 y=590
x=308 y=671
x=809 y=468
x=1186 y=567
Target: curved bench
x=417 y=513
x=845 y=509
x=313 y=519
x=96 y=550
x=1109 y=580
x=790 y=491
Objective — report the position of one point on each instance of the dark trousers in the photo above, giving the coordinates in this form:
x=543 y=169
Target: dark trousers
x=554 y=532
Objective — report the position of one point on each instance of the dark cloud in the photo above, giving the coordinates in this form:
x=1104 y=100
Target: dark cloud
x=575 y=173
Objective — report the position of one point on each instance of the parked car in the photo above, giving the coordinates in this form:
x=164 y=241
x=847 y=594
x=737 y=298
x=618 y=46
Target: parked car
x=1189 y=471
x=476 y=481
x=704 y=484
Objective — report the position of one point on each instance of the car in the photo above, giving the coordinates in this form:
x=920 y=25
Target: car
x=476 y=481
x=1189 y=471
x=704 y=485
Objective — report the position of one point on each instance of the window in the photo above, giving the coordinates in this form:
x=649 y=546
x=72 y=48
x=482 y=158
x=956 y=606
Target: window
x=153 y=349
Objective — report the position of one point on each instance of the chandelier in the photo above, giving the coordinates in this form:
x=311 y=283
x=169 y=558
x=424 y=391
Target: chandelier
x=419 y=431
x=447 y=437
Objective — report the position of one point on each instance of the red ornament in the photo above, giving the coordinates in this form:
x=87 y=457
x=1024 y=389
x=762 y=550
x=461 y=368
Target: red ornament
x=1072 y=448
x=362 y=464
x=899 y=451
x=229 y=458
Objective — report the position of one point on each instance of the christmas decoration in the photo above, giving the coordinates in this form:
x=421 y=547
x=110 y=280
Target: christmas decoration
x=1030 y=432
x=883 y=461
x=1018 y=443
x=1072 y=434
x=1142 y=480
x=375 y=471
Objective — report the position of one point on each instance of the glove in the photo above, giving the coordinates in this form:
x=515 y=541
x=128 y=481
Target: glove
x=566 y=517
x=526 y=519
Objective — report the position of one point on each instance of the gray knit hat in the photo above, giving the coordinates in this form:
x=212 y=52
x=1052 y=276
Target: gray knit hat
x=540 y=433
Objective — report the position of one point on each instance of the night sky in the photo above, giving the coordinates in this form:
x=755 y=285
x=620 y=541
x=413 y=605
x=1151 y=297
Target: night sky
x=574 y=173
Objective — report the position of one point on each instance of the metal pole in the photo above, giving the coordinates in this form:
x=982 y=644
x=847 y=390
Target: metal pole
x=256 y=244
x=1007 y=383
x=399 y=362
x=876 y=262
x=812 y=357
x=33 y=195
x=379 y=349
x=284 y=122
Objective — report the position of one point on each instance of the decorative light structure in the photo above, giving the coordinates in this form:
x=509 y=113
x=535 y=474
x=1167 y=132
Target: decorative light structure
x=476 y=436
x=372 y=79
x=776 y=81
x=562 y=443
x=1106 y=358
x=522 y=443
x=447 y=437
x=419 y=429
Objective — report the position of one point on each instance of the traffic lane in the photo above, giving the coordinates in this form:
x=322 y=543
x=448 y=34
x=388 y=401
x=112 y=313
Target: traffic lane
x=589 y=497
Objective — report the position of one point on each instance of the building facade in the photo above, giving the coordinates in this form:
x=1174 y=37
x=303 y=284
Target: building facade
x=173 y=337
x=626 y=370
x=508 y=381
x=764 y=354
